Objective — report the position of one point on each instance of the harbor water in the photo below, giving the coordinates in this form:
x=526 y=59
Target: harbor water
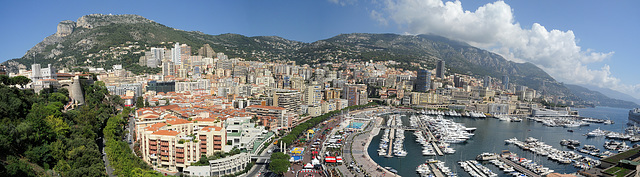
x=490 y=136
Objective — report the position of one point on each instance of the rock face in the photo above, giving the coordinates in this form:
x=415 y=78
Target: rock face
x=65 y=28
x=68 y=27
x=97 y=20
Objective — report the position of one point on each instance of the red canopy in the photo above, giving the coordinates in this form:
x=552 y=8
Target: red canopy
x=330 y=159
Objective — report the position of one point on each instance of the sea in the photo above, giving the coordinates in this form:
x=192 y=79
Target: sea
x=490 y=136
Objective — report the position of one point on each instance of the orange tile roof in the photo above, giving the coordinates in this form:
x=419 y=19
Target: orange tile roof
x=155 y=126
x=177 y=121
x=149 y=116
x=209 y=128
x=166 y=133
x=205 y=119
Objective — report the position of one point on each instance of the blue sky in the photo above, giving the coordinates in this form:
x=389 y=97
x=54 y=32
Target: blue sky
x=608 y=29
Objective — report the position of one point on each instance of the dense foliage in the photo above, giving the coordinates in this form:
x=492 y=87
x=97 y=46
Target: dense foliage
x=37 y=137
x=279 y=163
x=121 y=158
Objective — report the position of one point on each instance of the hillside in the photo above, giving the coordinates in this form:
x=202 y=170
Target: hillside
x=596 y=98
x=93 y=39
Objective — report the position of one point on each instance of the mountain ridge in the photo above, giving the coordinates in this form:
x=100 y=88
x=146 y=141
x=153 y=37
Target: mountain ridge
x=598 y=99
x=76 y=43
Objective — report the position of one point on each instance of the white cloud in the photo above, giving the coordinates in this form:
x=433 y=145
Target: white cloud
x=492 y=26
x=378 y=16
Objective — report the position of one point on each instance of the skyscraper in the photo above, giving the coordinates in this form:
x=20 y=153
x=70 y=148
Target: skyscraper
x=487 y=82
x=440 y=69
x=505 y=82
x=154 y=57
x=176 y=54
x=423 y=81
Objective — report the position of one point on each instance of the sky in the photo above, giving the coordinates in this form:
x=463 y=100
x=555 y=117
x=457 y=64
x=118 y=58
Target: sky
x=575 y=41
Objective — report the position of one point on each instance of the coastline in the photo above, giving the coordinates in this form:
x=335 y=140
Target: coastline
x=373 y=133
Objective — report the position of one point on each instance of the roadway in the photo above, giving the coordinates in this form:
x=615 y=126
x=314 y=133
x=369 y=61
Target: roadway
x=260 y=168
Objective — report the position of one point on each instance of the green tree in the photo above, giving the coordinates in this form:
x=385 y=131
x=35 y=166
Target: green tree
x=279 y=166
x=139 y=102
x=20 y=80
x=4 y=79
x=279 y=163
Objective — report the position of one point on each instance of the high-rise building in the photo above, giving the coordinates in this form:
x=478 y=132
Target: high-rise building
x=168 y=68
x=423 y=81
x=206 y=51
x=177 y=60
x=154 y=57
x=505 y=82
x=313 y=95
x=440 y=69
x=288 y=99
x=356 y=94
x=487 y=82
x=185 y=53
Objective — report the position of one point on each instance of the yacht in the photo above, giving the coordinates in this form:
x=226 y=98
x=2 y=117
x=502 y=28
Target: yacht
x=596 y=132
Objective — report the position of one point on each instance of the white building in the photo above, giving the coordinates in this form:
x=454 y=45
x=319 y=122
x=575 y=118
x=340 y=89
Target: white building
x=176 y=54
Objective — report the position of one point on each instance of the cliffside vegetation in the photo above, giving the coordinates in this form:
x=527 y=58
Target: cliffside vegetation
x=38 y=138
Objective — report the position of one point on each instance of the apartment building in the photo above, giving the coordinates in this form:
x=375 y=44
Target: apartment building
x=176 y=143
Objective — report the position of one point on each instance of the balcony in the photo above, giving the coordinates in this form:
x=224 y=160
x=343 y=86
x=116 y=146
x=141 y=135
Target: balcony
x=164 y=153
x=204 y=146
x=164 y=143
x=203 y=137
x=164 y=148
x=153 y=152
x=180 y=155
x=217 y=138
x=153 y=147
x=180 y=160
x=152 y=143
x=164 y=158
x=179 y=150
x=216 y=147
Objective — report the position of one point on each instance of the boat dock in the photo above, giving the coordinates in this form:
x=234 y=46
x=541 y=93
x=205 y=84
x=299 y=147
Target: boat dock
x=392 y=135
x=474 y=168
x=518 y=167
x=430 y=138
x=435 y=170
x=435 y=147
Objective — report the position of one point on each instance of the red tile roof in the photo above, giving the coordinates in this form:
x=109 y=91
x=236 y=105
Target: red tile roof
x=166 y=133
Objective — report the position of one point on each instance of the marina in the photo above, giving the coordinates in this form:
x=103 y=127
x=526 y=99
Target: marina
x=489 y=137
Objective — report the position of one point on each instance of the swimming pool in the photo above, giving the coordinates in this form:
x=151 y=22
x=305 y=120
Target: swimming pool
x=357 y=125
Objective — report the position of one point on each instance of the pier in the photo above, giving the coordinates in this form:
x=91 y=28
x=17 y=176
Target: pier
x=435 y=170
x=399 y=127
x=436 y=148
x=430 y=138
x=474 y=168
x=518 y=167
x=392 y=136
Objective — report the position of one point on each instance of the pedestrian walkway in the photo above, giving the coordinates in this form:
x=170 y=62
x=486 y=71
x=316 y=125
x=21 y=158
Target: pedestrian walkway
x=361 y=156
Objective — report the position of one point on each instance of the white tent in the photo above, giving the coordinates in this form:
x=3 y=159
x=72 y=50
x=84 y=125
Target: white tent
x=315 y=161
x=308 y=165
